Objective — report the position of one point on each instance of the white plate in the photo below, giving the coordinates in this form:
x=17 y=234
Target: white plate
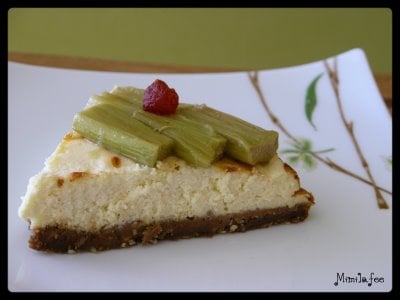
x=345 y=233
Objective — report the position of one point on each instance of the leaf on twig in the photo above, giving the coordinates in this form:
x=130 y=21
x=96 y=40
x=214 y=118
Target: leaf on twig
x=301 y=152
x=311 y=100
x=309 y=162
x=294 y=159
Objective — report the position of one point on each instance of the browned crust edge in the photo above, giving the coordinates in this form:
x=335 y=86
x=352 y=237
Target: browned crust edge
x=59 y=239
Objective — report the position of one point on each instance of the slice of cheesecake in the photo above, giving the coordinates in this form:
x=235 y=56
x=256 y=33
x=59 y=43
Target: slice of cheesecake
x=88 y=198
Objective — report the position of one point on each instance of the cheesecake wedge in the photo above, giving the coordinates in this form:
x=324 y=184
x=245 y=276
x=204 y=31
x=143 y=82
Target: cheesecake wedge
x=91 y=198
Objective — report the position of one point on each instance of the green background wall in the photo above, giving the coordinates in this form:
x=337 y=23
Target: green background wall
x=236 y=38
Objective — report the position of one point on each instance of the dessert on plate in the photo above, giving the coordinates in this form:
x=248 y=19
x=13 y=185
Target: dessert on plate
x=139 y=168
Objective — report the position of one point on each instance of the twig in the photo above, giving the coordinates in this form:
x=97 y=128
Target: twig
x=253 y=76
x=334 y=79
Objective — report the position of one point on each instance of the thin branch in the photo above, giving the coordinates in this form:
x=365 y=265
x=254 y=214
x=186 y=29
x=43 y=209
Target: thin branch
x=324 y=151
x=253 y=76
x=274 y=119
x=337 y=167
x=333 y=76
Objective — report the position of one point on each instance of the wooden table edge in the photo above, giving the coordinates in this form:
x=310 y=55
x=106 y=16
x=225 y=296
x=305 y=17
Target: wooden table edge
x=384 y=81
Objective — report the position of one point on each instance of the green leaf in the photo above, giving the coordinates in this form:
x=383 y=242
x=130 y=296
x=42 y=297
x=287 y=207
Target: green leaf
x=306 y=145
x=293 y=159
x=325 y=150
x=302 y=152
x=311 y=100
x=286 y=151
x=309 y=162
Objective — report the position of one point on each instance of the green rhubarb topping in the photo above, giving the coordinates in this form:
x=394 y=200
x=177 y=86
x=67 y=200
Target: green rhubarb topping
x=116 y=101
x=196 y=133
x=196 y=143
x=246 y=142
x=129 y=93
x=115 y=129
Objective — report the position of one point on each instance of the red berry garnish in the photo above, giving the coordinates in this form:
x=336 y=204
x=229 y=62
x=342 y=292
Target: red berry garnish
x=160 y=99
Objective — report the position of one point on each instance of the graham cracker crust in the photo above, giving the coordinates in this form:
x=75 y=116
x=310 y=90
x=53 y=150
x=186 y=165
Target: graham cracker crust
x=64 y=240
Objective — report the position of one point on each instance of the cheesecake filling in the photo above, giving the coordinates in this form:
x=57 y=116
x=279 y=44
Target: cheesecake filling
x=86 y=187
